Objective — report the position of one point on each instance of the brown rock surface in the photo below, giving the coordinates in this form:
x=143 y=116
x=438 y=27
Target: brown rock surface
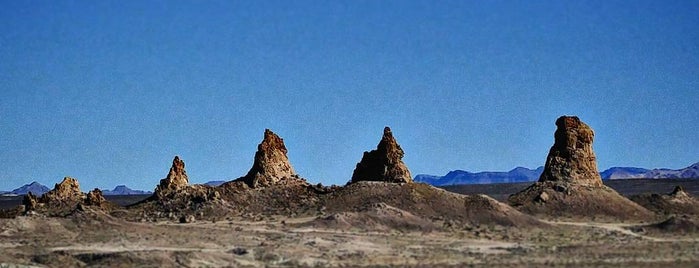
x=679 y=193
x=175 y=194
x=67 y=190
x=95 y=198
x=176 y=178
x=271 y=164
x=30 y=201
x=570 y=186
x=571 y=158
x=383 y=164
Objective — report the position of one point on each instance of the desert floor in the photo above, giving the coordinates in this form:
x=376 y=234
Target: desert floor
x=95 y=239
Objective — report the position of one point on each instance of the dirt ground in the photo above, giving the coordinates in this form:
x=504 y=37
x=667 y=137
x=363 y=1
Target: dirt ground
x=92 y=238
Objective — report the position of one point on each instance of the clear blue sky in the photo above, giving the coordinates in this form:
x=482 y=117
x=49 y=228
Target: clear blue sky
x=109 y=91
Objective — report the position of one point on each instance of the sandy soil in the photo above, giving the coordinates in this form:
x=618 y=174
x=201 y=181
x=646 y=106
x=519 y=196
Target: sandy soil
x=95 y=239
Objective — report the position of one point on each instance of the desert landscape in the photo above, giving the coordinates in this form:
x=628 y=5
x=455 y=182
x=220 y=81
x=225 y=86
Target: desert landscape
x=272 y=217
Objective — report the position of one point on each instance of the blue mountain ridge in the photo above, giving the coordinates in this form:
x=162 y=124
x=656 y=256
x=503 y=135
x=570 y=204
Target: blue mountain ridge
x=34 y=187
x=521 y=174
x=123 y=190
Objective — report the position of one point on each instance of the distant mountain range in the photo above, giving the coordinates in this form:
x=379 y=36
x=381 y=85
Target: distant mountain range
x=34 y=187
x=123 y=190
x=39 y=189
x=521 y=174
x=660 y=173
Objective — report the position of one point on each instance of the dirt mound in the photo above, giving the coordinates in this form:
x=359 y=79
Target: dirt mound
x=427 y=202
x=375 y=217
x=383 y=164
x=292 y=197
x=201 y=200
x=570 y=185
x=677 y=202
x=566 y=200
x=681 y=224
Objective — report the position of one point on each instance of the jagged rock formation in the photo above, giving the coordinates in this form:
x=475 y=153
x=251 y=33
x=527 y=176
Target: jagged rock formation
x=95 y=198
x=176 y=178
x=66 y=191
x=174 y=195
x=64 y=198
x=30 y=202
x=570 y=185
x=679 y=193
x=383 y=164
x=271 y=164
x=571 y=158
x=676 y=202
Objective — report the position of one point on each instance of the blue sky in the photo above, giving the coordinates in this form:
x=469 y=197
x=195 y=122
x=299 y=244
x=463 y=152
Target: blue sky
x=109 y=91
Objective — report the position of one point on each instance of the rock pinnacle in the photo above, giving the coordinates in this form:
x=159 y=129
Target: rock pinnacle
x=383 y=164
x=176 y=178
x=571 y=158
x=271 y=164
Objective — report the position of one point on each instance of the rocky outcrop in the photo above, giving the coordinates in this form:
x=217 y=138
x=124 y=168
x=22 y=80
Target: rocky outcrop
x=271 y=165
x=95 y=198
x=679 y=193
x=676 y=202
x=176 y=179
x=175 y=195
x=30 y=202
x=570 y=186
x=383 y=164
x=65 y=198
x=66 y=191
x=571 y=158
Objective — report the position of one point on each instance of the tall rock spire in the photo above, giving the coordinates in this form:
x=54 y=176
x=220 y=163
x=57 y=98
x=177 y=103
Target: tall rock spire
x=383 y=164
x=570 y=185
x=176 y=178
x=271 y=164
x=571 y=158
